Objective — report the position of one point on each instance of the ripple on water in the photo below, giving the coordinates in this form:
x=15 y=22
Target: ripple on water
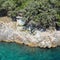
x=13 y=51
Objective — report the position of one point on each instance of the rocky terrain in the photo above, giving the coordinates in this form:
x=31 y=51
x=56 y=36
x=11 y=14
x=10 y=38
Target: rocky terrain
x=40 y=39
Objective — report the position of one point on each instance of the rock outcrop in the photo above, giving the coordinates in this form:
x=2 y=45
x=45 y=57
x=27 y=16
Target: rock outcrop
x=40 y=39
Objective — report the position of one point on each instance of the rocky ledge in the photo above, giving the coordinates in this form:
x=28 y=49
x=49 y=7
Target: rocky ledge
x=40 y=39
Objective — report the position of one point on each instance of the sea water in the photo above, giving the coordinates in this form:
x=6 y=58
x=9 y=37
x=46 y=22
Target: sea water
x=13 y=51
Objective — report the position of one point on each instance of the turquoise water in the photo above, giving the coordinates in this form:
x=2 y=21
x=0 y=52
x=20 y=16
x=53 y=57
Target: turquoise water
x=13 y=51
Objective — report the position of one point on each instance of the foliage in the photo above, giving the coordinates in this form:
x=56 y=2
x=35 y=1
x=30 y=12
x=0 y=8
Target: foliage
x=43 y=13
x=40 y=12
x=11 y=6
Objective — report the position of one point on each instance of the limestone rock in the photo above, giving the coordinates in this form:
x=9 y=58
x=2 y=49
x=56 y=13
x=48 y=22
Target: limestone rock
x=40 y=39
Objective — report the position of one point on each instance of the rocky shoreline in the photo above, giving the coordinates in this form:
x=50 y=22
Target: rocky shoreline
x=40 y=39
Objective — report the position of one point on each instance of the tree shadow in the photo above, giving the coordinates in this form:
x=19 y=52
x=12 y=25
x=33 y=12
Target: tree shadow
x=3 y=12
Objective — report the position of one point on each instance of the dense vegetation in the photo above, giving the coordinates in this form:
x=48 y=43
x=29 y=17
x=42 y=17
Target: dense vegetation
x=41 y=13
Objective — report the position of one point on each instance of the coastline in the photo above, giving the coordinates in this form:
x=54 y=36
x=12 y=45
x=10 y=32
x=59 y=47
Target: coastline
x=29 y=44
x=40 y=39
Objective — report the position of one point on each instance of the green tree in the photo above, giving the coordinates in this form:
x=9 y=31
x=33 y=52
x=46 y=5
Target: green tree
x=11 y=6
x=42 y=12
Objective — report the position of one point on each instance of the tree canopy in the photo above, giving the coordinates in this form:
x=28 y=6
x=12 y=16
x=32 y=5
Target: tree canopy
x=43 y=13
x=40 y=12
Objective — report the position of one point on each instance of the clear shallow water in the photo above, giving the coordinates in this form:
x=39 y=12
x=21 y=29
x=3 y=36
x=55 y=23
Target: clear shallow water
x=13 y=51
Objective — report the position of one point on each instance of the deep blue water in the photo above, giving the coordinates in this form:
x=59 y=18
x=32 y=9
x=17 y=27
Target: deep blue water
x=13 y=51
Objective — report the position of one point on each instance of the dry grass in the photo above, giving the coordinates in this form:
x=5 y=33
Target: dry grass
x=8 y=21
x=5 y=19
